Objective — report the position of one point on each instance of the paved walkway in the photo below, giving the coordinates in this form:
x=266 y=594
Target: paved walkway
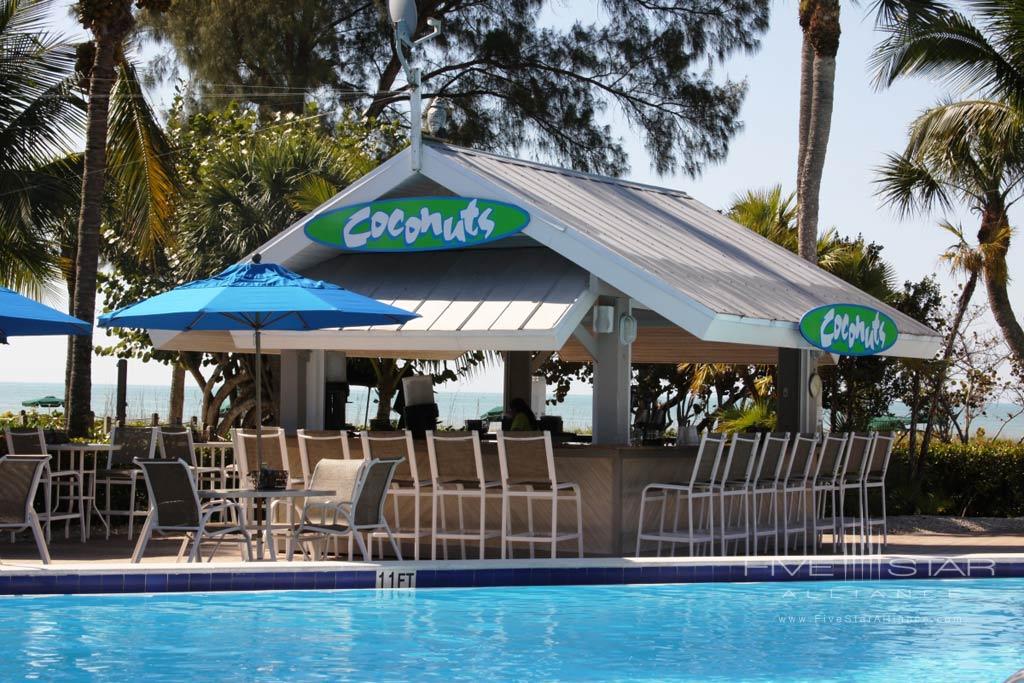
x=118 y=549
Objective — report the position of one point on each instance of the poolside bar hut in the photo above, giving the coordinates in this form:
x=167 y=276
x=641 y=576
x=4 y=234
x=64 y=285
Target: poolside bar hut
x=548 y=260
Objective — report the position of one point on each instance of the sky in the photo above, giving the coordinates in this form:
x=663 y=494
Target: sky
x=866 y=124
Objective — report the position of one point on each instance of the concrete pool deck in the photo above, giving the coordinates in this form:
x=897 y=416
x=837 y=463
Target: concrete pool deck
x=102 y=566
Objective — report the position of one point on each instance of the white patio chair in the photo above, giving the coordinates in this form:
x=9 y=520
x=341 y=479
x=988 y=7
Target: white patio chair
x=457 y=472
x=794 y=488
x=135 y=443
x=732 y=488
x=851 y=488
x=175 y=510
x=408 y=482
x=527 y=461
x=824 y=488
x=62 y=485
x=19 y=480
x=874 y=480
x=764 y=490
x=700 y=512
x=357 y=507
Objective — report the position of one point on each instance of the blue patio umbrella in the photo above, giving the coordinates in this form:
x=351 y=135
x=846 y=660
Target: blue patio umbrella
x=21 y=316
x=255 y=296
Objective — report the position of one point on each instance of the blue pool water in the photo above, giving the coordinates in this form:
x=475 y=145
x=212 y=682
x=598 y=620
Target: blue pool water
x=962 y=630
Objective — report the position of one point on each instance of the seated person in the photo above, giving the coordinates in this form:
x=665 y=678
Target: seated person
x=523 y=419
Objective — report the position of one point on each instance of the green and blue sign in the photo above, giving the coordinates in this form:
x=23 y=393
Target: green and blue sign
x=417 y=224
x=849 y=329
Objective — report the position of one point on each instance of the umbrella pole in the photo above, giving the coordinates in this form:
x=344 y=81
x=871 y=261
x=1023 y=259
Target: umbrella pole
x=259 y=409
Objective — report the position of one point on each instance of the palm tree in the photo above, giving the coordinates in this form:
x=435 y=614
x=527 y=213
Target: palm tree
x=970 y=152
x=106 y=70
x=962 y=258
x=39 y=115
x=981 y=55
x=773 y=216
x=819 y=21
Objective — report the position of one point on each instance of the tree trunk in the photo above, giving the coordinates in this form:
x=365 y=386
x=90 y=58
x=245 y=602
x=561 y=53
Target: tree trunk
x=996 y=276
x=822 y=32
x=176 y=407
x=68 y=354
x=87 y=259
x=940 y=377
x=806 y=88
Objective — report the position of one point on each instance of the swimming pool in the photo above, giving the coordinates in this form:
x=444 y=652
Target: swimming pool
x=963 y=630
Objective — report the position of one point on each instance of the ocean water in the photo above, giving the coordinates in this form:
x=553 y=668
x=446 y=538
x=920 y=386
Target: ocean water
x=455 y=407
x=922 y=630
x=144 y=400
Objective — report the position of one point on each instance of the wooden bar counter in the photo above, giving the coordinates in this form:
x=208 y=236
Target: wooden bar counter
x=611 y=481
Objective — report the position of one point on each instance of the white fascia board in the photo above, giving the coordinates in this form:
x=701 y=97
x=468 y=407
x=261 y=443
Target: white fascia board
x=292 y=240
x=405 y=341
x=915 y=346
x=573 y=245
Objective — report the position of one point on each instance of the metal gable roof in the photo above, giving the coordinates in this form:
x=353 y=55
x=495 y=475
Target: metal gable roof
x=697 y=251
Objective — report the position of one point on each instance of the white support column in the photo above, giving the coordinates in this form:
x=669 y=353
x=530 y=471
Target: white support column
x=797 y=409
x=316 y=376
x=612 y=379
x=518 y=383
x=292 y=395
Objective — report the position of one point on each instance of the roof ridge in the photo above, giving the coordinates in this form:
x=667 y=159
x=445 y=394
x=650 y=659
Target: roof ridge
x=550 y=168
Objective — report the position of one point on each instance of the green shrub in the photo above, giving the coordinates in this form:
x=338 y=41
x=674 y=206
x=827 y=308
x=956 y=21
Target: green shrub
x=979 y=479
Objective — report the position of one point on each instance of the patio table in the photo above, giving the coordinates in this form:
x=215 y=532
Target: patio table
x=80 y=462
x=266 y=496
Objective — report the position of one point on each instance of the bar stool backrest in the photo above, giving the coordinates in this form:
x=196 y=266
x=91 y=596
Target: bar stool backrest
x=801 y=457
x=317 y=445
x=19 y=478
x=394 y=445
x=176 y=444
x=881 y=453
x=455 y=457
x=774 y=447
x=135 y=443
x=709 y=456
x=830 y=457
x=173 y=499
x=739 y=461
x=858 y=456
x=275 y=452
x=526 y=456
x=25 y=441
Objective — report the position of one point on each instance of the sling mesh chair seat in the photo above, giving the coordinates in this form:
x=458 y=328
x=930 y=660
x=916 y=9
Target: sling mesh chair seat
x=698 y=492
x=175 y=510
x=356 y=507
x=135 y=443
x=19 y=480
x=62 y=486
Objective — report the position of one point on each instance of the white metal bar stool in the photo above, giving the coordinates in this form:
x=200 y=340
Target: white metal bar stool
x=527 y=461
x=794 y=488
x=60 y=485
x=827 y=470
x=851 y=488
x=457 y=472
x=408 y=482
x=874 y=479
x=700 y=517
x=764 y=490
x=733 y=492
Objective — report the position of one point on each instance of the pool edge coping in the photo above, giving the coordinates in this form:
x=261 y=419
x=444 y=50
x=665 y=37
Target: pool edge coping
x=125 y=578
